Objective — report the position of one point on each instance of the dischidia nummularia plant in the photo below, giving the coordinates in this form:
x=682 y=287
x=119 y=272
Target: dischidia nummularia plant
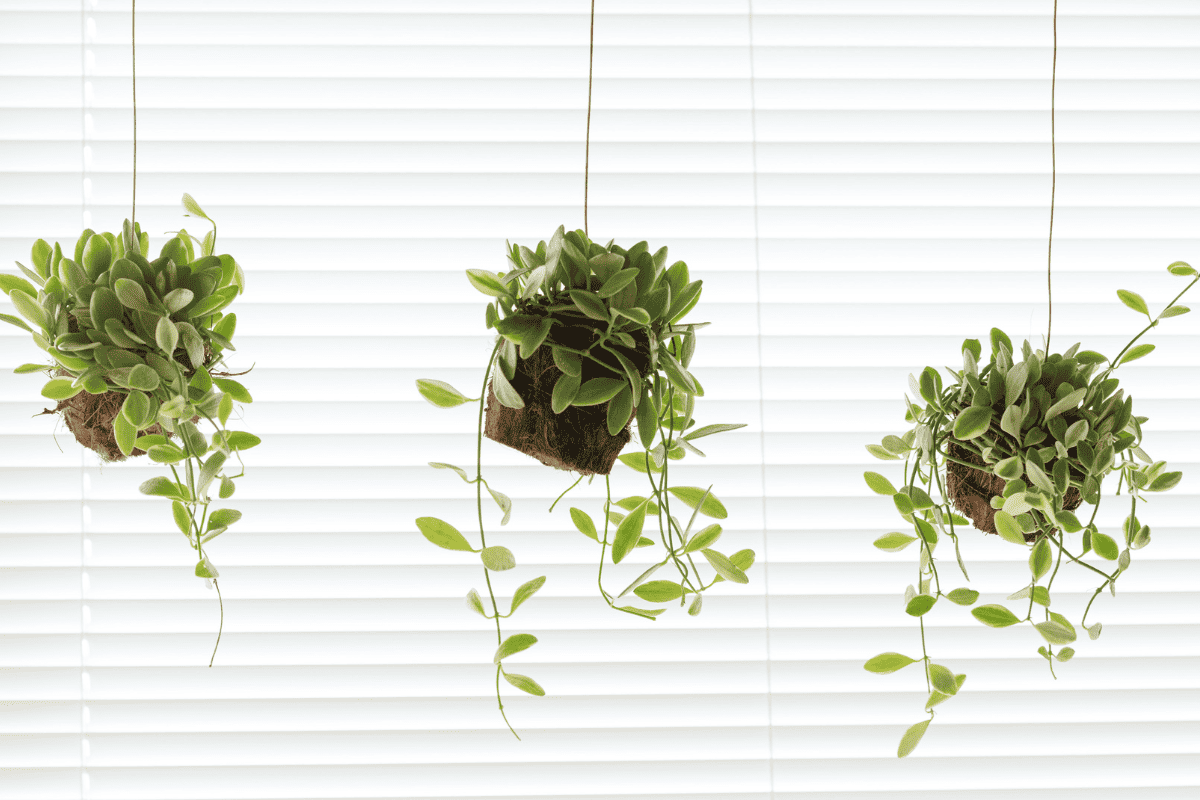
x=590 y=339
x=136 y=348
x=1017 y=446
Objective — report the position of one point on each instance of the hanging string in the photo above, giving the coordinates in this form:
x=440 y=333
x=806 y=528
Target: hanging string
x=587 y=140
x=133 y=59
x=1053 y=177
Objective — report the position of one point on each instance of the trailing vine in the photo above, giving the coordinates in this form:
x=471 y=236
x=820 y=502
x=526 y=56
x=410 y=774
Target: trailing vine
x=1018 y=446
x=591 y=340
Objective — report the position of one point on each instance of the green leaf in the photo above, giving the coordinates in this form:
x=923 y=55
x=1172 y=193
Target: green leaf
x=161 y=487
x=598 y=390
x=628 y=532
x=60 y=389
x=240 y=394
x=165 y=454
x=1067 y=403
x=240 y=440
x=692 y=497
x=497 y=558
x=514 y=644
x=440 y=393
x=617 y=282
x=1165 y=481
x=30 y=309
x=894 y=542
x=881 y=453
x=136 y=409
x=504 y=391
x=193 y=208
x=724 y=566
x=182 y=520
x=1134 y=301
x=486 y=282
x=1173 y=311
x=972 y=422
x=1055 y=633
x=166 y=335
x=920 y=605
x=1135 y=353
x=144 y=378
x=911 y=738
x=589 y=304
x=443 y=534
x=620 y=409
x=584 y=523
x=227 y=488
x=11 y=320
x=125 y=433
x=205 y=569
x=462 y=473
x=1008 y=528
x=704 y=538
x=504 y=502
x=12 y=283
x=994 y=616
x=943 y=680
x=1178 y=268
x=659 y=591
x=525 y=591
x=886 y=663
x=695 y=606
x=1040 y=559
x=879 y=484
x=1009 y=468
x=1105 y=546
x=475 y=603
x=525 y=684
x=570 y=363
x=223 y=518
x=963 y=596
x=709 y=430
x=636 y=314
x=565 y=390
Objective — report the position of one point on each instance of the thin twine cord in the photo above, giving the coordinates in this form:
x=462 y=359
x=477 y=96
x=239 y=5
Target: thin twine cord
x=587 y=139
x=133 y=60
x=1053 y=179
x=762 y=441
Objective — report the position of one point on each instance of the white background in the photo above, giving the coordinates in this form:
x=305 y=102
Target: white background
x=861 y=184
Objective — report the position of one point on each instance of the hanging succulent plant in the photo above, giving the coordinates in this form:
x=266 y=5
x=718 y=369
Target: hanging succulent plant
x=136 y=347
x=1017 y=446
x=591 y=339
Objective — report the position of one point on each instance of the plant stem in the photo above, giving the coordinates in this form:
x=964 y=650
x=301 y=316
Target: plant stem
x=482 y=534
x=564 y=494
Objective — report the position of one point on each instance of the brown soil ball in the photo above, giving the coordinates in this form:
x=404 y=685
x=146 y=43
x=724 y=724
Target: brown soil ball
x=972 y=490
x=90 y=418
x=577 y=439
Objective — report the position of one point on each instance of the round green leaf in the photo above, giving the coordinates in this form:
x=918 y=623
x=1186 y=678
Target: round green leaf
x=497 y=558
x=972 y=422
x=885 y=663
x=894 y=542
x=879 y=484
x=440 y=393
x=962 y=597
x=598 y=390
x=514 y=644
x=60 y=389
x=525 y=683
x=995 y=616
x=443 y=534
x=920 y=605
x=659 y=591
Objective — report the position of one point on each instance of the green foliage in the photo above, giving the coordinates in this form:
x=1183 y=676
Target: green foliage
x=1051 y=427
x=111 y=319
x=612 y=319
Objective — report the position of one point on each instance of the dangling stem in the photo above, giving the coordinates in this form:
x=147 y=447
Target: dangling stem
x=564 y=494
x=482 y=535
x=1053 y=178
x=221 y=627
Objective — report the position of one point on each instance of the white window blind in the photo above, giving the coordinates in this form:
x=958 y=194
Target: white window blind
x=861 y=185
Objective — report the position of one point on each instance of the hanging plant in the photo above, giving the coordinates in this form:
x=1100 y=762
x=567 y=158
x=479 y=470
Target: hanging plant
x=136 y=348
x=1018 y=446
x=591 y=338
